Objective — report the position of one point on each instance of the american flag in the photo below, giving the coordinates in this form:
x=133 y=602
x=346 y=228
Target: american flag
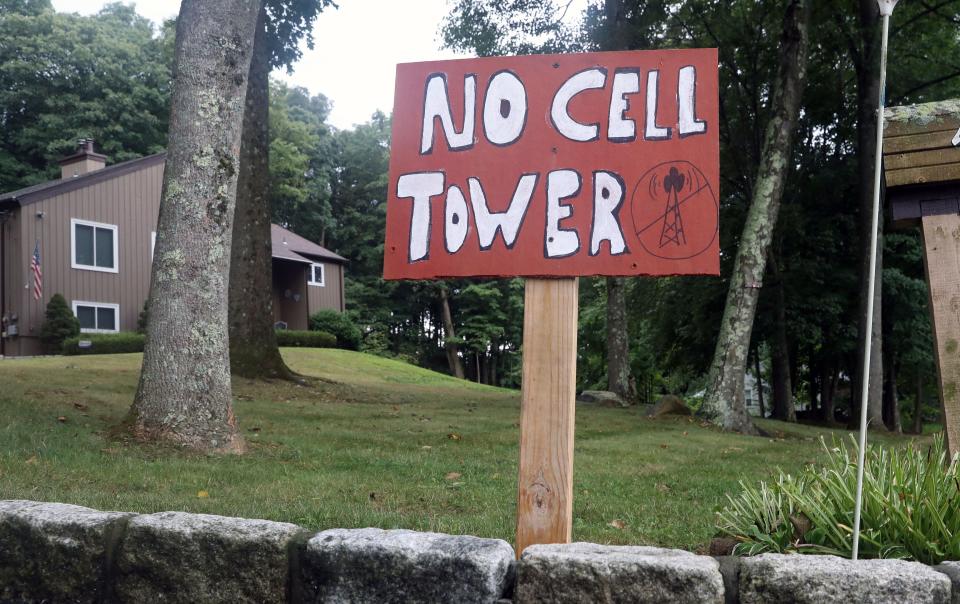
x=37 y=273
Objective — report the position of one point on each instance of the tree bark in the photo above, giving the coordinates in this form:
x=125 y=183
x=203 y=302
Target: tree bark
x=449 y=340
x=918 y=404
x=253 y=341
x=891 y=402
x=830 y=396
x=757 y=369
x=618 y=342
x=724 y=404
x=783 y=405
x=184 y=393
x=868 y=90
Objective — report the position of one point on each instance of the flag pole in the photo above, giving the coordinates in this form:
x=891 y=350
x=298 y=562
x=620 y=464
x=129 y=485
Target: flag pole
x=886 y=9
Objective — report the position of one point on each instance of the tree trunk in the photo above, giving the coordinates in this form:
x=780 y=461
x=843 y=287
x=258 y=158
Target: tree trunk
x=724 y=402
x=918 y=405
x=830 y=396
x=253 y=341
x=783 y=405
x=868 y=90
x=618 y=343
x=891 y=402
x=184 y=394
x=450 y=338
x=757 y=369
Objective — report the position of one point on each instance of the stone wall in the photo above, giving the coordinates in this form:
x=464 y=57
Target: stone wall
x=52 y=552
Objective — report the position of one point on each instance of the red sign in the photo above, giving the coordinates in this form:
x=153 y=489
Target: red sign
x=555 y=165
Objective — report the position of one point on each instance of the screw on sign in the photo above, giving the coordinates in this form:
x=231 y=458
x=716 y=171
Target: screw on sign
x=551 y=167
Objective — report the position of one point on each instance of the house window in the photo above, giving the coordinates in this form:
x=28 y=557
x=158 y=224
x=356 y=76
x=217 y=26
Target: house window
x=93 y=246
x=316 y=275
x=97 y=317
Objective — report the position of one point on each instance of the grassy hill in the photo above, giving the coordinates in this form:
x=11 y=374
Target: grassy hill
x=372 y=442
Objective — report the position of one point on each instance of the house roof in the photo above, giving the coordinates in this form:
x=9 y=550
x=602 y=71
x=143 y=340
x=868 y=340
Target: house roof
x=39 y=192
x=287 y=245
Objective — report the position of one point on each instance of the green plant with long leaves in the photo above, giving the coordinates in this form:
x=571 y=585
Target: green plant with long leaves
x=911 y=507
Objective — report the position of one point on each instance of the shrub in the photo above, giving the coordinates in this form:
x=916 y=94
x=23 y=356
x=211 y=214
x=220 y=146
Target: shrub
x=143 y=317
x=59 y=324
x=306 y=339
x=347 y=333
x=911 y=507
x=105 y=343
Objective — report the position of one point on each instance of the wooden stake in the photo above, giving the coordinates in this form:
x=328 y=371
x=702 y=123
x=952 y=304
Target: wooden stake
x=545 y=486
x=941 y=253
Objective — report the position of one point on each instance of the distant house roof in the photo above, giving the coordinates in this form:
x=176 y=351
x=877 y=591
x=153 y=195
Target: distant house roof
x=28 y=195
x=287 y=245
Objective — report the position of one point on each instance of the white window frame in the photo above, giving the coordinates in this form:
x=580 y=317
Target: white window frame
x=74 y=222
x=97 y=306
x=323 y=274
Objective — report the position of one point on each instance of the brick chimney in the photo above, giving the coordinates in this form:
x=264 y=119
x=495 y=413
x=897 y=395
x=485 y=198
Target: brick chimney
x=83 y=161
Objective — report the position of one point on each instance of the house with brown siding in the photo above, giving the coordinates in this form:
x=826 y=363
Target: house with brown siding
x=95 y=229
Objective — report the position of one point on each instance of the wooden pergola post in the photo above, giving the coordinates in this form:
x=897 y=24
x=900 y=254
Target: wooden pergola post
x=922 y=169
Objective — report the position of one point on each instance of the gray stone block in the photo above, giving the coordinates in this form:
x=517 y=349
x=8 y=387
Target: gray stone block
x=179 y=557
x=586 y=572
x=55 y=552
x=373 y=565
x=952 y=570
x=823 y=579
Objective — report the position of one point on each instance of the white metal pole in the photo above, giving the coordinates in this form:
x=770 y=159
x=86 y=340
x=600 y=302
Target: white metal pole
x=886 y=9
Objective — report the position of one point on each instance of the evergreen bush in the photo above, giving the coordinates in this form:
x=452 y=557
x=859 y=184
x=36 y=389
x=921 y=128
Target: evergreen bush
x=306 y=339
x=105 y=343
x=59 y=324
x=340 y=325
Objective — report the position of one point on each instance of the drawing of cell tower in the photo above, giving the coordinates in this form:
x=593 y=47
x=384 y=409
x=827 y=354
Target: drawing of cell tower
x=672 y=221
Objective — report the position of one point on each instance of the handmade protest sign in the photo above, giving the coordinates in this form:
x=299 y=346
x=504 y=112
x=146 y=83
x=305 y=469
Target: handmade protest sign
x=555 y=165
x=552 y=167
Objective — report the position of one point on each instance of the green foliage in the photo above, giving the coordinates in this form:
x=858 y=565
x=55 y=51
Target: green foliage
x=911 y=507
x=66 y=76
x=345 y=331
x=305 y=339
x=105 y=343
x=59 y=324
x=144 y=317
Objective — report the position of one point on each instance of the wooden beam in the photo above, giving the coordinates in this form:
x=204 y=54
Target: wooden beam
x=941 y=243
x=916 y=159
x=923 y=175
x=545 y=486
x=937 y=139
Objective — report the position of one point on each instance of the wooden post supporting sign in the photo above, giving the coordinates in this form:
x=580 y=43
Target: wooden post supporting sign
x=545 y=485
x=553 y=167
x=941 y=255
x=922 y=170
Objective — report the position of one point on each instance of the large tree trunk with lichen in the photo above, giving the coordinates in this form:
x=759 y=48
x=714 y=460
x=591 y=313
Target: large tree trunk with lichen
x=618 y=342
x=867 y=66
x=184 y=394
x=450 y=337
x=724 y=402
x=253 y=342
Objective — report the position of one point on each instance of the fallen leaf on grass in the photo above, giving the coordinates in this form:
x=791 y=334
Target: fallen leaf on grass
x=617 y=524
x=426 y=447
x=454 y=436
x=255 y=429
x=453 y=476
x=32 y=460
x=664 y=446
x=62 y=419
x=663 y=488
x=80 y=406
x=203 y=495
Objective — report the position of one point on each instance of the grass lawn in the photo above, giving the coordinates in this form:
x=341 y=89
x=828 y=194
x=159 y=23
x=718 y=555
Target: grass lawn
x=374 y=442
